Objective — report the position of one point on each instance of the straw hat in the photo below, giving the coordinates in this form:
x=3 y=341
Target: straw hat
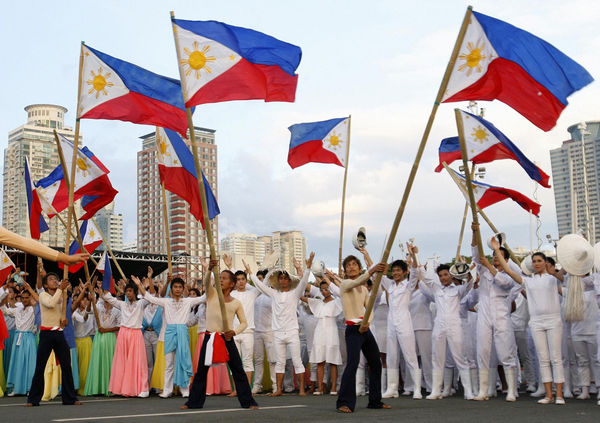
x=527 y=266
x=359 y=240
x=274 y=279
x=318 y=268
x=597 y=256
x=270 y=260
x=575 y=254
x=460 y=271
x=500 y=236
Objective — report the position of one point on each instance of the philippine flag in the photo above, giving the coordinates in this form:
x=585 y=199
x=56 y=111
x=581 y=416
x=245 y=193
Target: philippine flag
x=499 y=61
x=485 y=143
x=108 y=283
x=92 y=239
x=486 y=195
x=221 y=62
x=6 y=267
x=178 y=172
x=117 y=90
x=37 y=223
x=319 y=142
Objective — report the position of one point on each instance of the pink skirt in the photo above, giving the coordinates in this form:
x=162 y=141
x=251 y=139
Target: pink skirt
x=217 y=380
x=129 y=375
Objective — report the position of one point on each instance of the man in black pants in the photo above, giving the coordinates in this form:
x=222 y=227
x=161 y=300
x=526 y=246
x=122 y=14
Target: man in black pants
x=52 y=338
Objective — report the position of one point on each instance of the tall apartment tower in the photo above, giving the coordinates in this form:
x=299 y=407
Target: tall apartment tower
x=34 y=140
x=238 y=244
x=188 y=239
x=111 y=225
x=291 y=244
x=568 y=180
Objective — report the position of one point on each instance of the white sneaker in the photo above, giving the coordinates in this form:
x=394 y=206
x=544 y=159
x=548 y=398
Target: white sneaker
x=545 y=400
x=559 y=401
x=530 y=388
x=12 y=394
x=256 y=389
x=144 y=394
x=166 y=395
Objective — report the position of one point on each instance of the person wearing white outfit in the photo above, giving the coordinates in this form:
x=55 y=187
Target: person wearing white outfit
x=493 y=320
x=447 y=329
x=543 y=292
x=423 y=327
x=520 y=321
x=263 y=339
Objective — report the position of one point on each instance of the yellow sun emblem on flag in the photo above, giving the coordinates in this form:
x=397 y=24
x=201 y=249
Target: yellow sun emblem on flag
x=92 y=233
x=463 y=182
x=335 y=140
x=82 y=166
x=99 y=82
x=474 y=58
x=5 y=260
x=197 y=60
x=480 y=134
x=162 y=146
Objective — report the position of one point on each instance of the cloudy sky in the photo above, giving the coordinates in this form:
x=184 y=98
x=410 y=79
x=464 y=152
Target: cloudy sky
x=380 y=61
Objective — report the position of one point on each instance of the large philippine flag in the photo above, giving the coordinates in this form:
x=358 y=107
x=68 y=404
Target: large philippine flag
x=319 y=142
x=486 y=195
x=6 y=266
x=485 y=143
x=499 y=61
x=223 y=63
x=92 y=239
x=37 y=223
x=178 y=172
x=117 y=90
x=108 y=282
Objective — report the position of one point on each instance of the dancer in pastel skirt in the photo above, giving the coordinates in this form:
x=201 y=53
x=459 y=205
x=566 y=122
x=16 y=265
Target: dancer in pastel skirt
x=84 y=326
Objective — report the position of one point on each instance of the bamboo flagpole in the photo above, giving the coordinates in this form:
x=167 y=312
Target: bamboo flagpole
x=344 y=195
x=415 y=167
x=483 y=215
x=464 y=220
x=207 y=224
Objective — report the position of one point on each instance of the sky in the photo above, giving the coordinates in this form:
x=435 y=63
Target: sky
x=381 y=62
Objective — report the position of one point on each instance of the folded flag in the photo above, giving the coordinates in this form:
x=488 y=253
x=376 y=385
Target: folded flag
x=37 y=223
x=500 y=61
x=178 y=172
x=117 y=90
x=92 y=239
x=6 y=267
x=319 y=142
x=485 y=143
x=108 y=282
x=221 y=62
x=91 y=180
x=486 y=195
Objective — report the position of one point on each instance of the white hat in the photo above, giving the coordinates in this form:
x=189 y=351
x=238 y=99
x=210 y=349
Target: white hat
x=527 y=266
x=270 y=260
x=575 y=254
x=460 y=270
x=274 y=279
x=360 y=239
x=597 y=256
x=500 y=236
x=318 y=268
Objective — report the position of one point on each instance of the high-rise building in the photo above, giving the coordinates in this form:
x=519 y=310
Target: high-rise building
x=247 y=245
x=111 y=225
x=569 y=179
x=34 y=140
x=187 y=236
x=291 y=244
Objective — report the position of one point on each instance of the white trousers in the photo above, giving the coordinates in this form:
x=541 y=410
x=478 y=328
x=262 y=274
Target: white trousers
x=547 y=337
x=263 y=341
x=501 y=334
x=151 y=341
x=245 y=346
x=586 y=350
x=423 y=338
x=169 y=373
x=523 y=347
x=401 y=341
x=452 y=335
x=291 y=341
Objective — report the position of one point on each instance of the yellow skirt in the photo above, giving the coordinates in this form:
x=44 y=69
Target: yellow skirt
x=84 y=353
x=2 y=376
x=158 y=373
x=193 y=331
x=52 y=378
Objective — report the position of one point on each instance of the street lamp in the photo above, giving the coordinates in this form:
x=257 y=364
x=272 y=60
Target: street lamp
x=553 y=241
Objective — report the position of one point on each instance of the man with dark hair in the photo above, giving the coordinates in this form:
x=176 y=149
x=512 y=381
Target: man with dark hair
x=355 y=297
x=52 y=338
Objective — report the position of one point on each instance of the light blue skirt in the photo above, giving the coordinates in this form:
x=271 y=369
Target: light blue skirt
x=22 y=363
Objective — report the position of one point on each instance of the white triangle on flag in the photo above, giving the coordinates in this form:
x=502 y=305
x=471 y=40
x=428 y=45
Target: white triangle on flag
x=336 y=141
x=478 y=137
x=92 y=233
x=166 y=154
x=5 y=261
x=85 y=170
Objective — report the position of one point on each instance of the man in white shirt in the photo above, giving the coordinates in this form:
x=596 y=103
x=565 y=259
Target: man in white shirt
x=263 y=338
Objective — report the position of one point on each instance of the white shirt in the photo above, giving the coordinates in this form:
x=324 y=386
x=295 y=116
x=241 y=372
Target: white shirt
x=263 y=314
x=520 y=318
x=175 y=312
x=24 y=317
x=284 y=303
x=132 y=314
x=108 y=318
x=542 y=294
x=247 y=298
x=420 y=312
x=588 y=326
x=399 y=295
x=83 y=328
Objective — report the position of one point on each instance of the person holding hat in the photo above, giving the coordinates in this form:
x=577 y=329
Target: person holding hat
x=493 y=319
x=285 y=296
x=543 y=290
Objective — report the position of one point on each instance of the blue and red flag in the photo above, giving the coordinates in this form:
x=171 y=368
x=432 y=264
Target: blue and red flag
x=37 y=223
x=178 y=172
x=485 y=143
x=500 y=61
x=108 y=282
x=117 y=90
x=319 y=142
x=222 y=62
x=92 y=238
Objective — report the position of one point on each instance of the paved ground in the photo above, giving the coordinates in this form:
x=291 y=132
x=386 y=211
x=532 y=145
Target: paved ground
x=293 y=408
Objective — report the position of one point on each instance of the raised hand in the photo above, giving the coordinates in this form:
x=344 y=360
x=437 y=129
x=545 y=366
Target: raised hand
x=227 y=260
x=310 y=260
x=247 y=267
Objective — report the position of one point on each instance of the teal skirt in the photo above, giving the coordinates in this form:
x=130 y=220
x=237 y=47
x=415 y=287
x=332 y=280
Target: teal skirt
x=98 y=375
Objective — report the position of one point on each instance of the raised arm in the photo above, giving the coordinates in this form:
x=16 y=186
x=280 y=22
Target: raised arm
x=31 y=291
x=516 y=277
x=367 y=257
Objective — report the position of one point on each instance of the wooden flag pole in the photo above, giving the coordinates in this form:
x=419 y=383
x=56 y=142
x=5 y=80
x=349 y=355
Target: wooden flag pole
x=464 y=220
x=415 y=167
x=483 y=215
x=167 y=231
x=465 y=158
x=344 y=196
x=207 y=224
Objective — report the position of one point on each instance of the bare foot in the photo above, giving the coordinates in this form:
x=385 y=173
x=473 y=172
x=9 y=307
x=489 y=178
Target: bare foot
x=254 y=407
x=302 y=393
x=386 y=407
x=311 y=390
x=343 y=409
x=29 y=404
x=233 y=394
x=277 y=393
x=183 y=407
x=77 y=403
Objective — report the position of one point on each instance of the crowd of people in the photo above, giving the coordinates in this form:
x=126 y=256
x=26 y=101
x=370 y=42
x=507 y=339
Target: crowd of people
x=482 y=329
